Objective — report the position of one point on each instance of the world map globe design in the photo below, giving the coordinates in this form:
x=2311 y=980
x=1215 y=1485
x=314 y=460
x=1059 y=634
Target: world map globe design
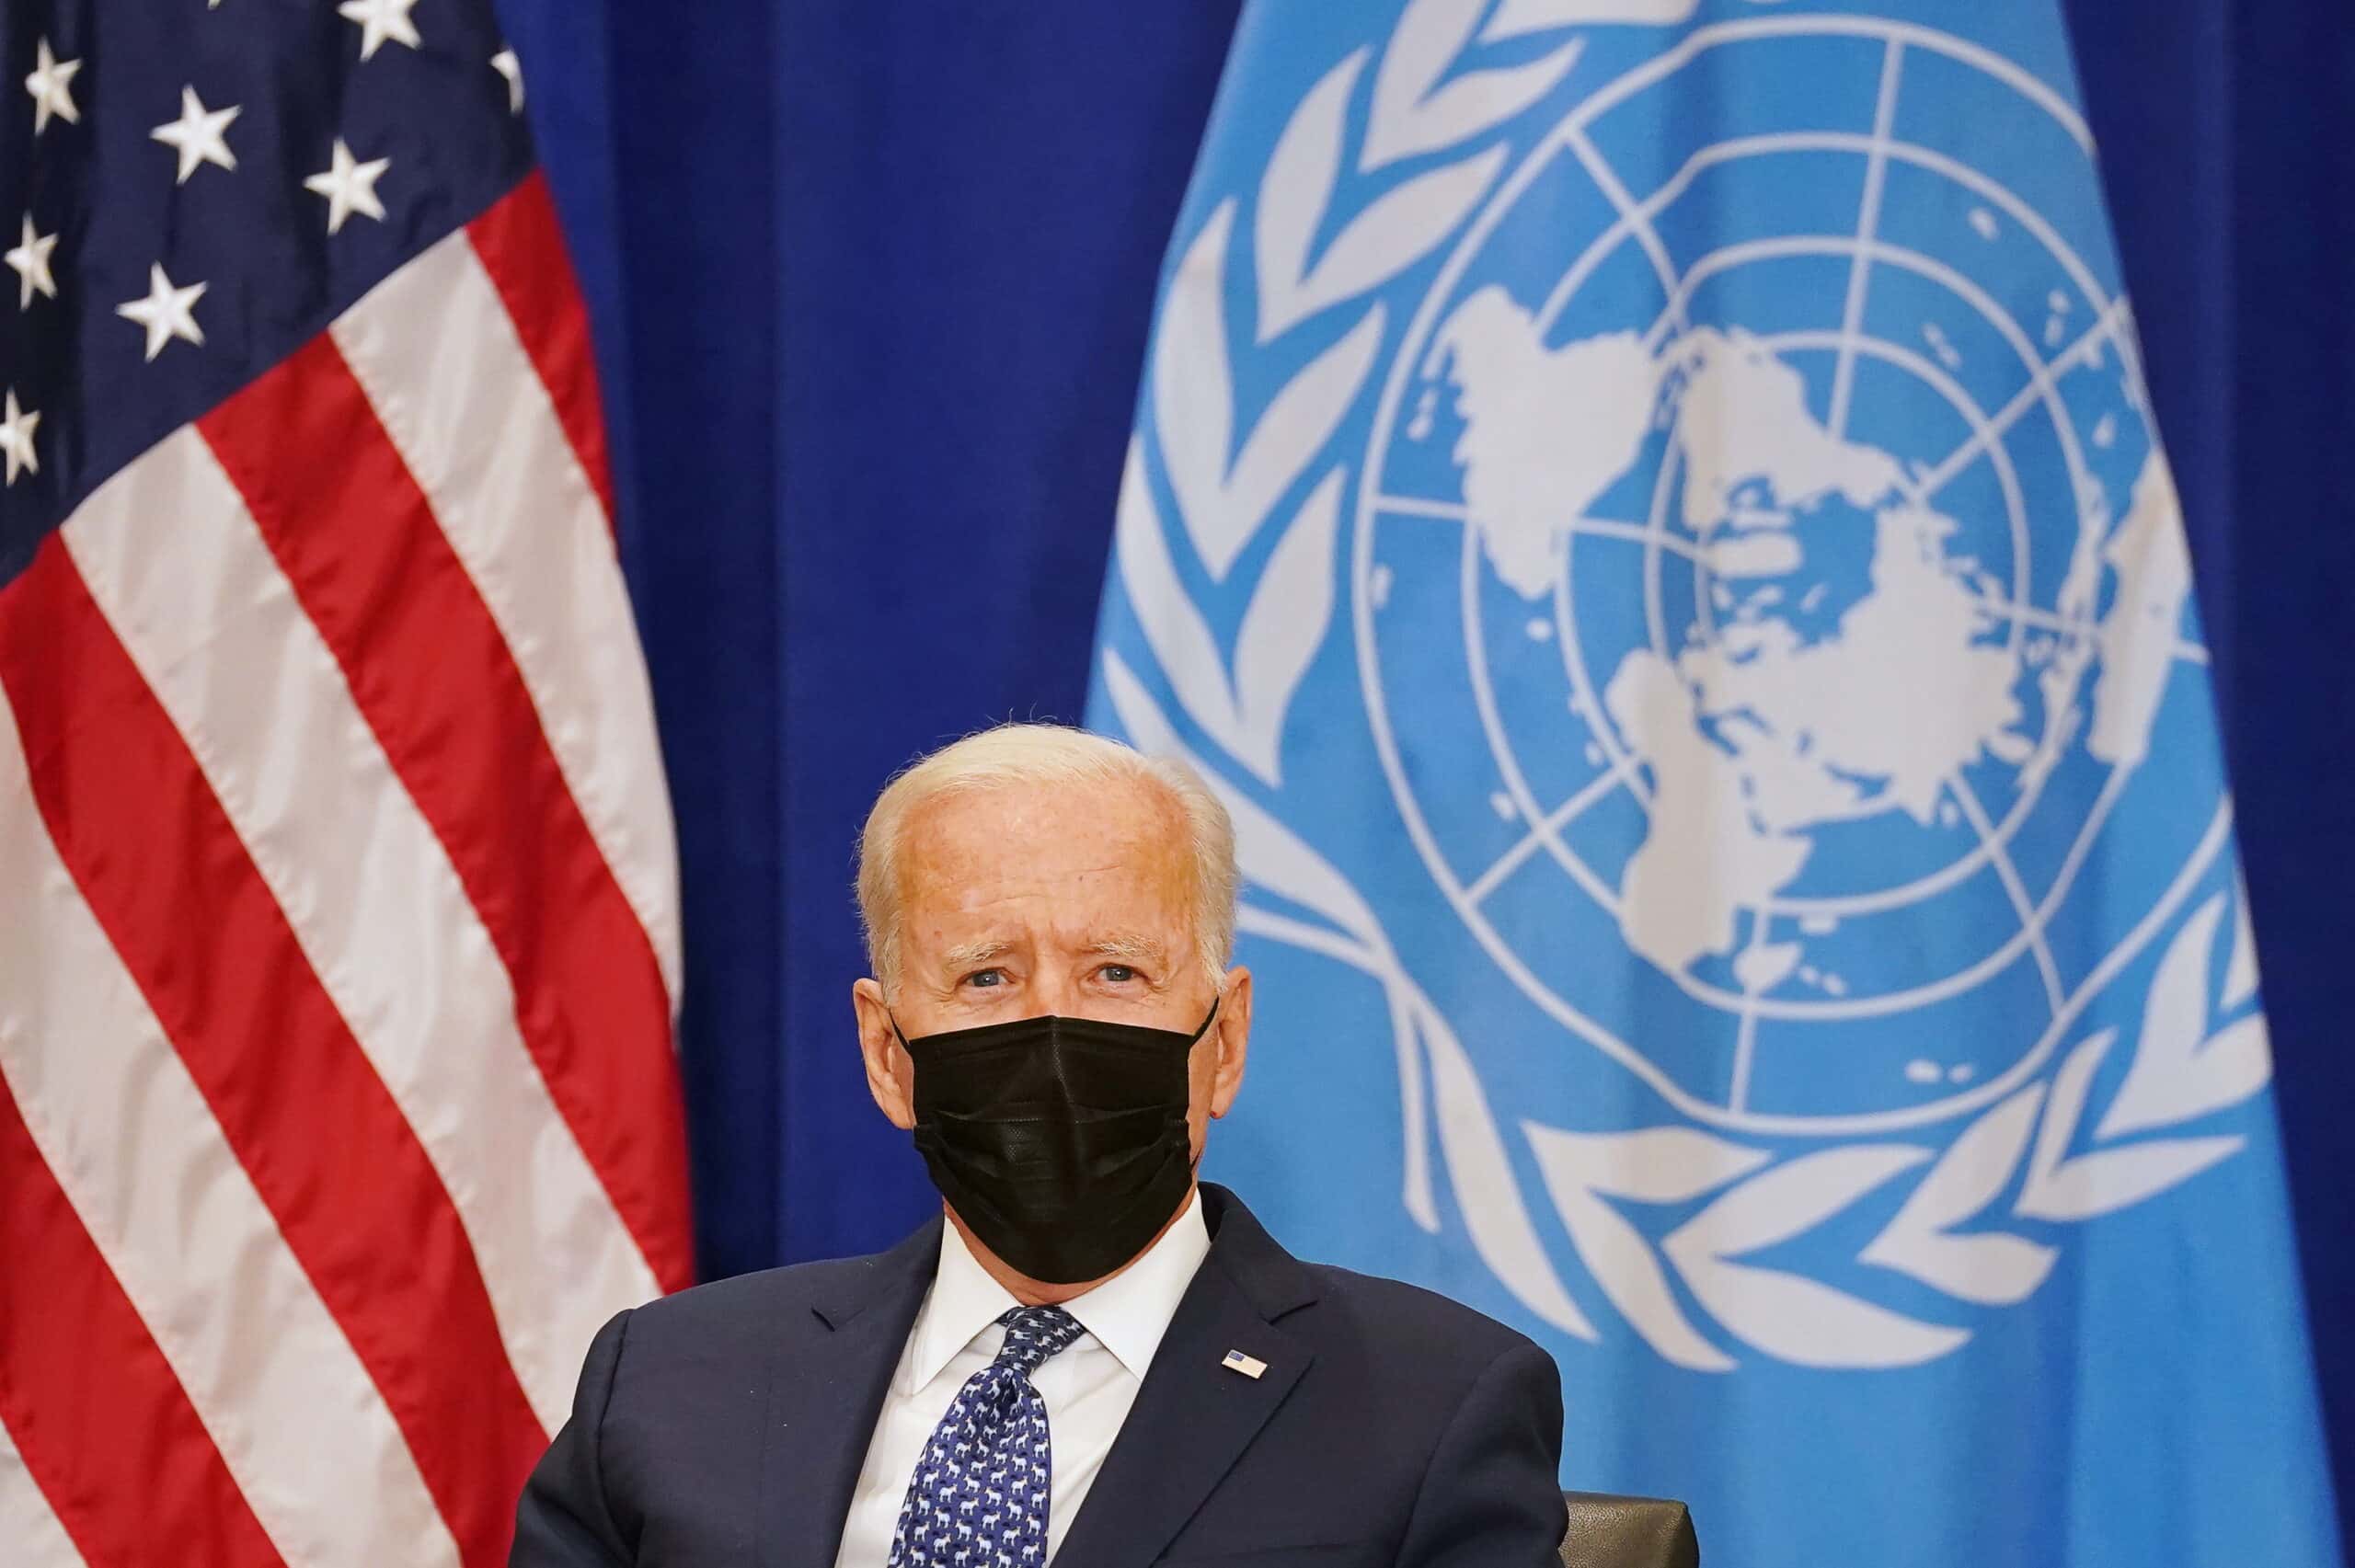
x=1819 y=582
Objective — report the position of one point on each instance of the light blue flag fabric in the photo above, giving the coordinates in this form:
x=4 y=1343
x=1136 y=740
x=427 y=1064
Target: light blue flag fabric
x=1650 y=515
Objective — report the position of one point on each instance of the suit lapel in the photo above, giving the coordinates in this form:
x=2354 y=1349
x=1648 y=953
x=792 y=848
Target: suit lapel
x=831 y=1374
x=1194 y=1416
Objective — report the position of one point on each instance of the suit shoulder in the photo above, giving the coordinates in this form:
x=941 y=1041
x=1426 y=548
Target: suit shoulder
x=1399 y=1318
x=770 y=1297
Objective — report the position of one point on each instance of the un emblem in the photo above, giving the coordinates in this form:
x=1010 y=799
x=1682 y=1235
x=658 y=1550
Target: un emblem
x=1765 y=598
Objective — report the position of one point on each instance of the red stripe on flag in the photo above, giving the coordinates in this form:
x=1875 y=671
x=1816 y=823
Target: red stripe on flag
x=163 y=870
x=523 y=249
x=104 y=1427
x=434 y=680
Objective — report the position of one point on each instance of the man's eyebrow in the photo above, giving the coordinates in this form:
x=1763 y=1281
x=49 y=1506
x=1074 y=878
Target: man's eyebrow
x=965 y=956
x=1125 y=946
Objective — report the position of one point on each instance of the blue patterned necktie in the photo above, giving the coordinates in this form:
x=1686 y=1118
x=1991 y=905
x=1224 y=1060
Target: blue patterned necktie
x=979 y=1498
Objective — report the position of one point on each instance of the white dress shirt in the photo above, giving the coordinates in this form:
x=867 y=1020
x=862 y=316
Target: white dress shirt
x=1087 y=1388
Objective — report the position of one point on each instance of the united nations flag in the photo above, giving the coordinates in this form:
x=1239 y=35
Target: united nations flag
x=1650 y=515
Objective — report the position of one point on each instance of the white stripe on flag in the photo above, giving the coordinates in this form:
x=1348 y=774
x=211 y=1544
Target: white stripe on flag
x=467 y=410
x=135 y=1149
x=28 y=1524
x=372 y=897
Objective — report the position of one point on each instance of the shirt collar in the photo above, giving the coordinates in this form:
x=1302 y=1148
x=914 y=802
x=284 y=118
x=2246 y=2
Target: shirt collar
x=1130 y=1313
x=1127 y=1314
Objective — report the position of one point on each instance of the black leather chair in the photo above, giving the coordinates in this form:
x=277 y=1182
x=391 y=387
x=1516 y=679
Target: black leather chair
x=1628 y=1532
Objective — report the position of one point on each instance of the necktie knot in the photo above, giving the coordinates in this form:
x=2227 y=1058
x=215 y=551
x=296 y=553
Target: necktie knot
x=1032 y=1335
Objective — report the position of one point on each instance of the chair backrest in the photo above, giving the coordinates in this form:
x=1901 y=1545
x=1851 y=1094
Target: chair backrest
x=1628 y=1532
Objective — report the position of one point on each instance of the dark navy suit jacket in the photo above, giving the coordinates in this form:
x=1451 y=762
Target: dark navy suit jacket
x=726 y=1426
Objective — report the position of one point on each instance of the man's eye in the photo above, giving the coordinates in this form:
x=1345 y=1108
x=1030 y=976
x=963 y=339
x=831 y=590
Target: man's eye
x=986 y=977
x=1117 y=974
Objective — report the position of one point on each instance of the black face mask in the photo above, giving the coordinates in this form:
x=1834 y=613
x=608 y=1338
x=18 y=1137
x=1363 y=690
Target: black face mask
x=1061 y=1141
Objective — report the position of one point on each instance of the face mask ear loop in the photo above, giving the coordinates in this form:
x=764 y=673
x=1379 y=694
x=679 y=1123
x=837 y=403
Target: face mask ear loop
x=1207 y=1022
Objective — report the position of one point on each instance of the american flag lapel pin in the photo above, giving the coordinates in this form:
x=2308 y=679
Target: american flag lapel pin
x=1249 y=1365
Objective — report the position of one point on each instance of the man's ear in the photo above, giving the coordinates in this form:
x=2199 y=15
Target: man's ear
x=1232 y=1030
x=891 y=1076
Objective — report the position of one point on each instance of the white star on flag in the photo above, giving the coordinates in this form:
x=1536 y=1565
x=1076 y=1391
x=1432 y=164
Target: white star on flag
x=48 y=86
x=350 y=185
x=507 y=65
x=17 y=437
x=30 y=260
x=379 y=20
x=167 y=313
x=198 y=135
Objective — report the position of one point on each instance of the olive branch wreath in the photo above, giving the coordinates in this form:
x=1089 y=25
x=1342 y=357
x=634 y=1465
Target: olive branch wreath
x=2203 y=1044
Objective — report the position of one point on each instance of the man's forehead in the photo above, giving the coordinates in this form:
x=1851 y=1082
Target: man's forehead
x=1058 y=830
x=1065 y=872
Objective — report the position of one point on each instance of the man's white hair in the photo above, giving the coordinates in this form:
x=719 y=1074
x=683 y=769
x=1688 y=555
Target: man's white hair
x=1043 y=754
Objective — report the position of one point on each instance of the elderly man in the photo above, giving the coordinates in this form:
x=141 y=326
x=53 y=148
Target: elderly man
x=1089 y=1358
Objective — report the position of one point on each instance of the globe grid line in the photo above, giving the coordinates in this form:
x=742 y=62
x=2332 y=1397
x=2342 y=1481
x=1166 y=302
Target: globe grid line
x=2043 y=387
x=2014 y=888
x=1930 y=160
x=1627 y=533
x=1745 y=1034
x=2007 y=610
x=1735 y=149
x=1635 y=222
x=2044 y=383
x=1655 y=519
x=1584 y=527
x=1640 y=533
x=2043 y=620
x=1584 y=799
x=1678 y=55
x=1730 y=149
x=1974 y=417
x=1963 y=406
x=1673 y=59
x=2183 y=648
x=1501 y=749
x=1868 y=227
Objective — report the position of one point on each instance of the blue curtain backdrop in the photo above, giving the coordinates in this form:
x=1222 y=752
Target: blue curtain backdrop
x=871 y=282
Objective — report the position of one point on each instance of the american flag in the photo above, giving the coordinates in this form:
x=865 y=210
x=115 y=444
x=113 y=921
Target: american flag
x=338 y=946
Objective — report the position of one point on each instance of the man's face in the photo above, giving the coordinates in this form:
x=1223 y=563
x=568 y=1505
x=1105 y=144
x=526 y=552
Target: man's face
x=1021 y=900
